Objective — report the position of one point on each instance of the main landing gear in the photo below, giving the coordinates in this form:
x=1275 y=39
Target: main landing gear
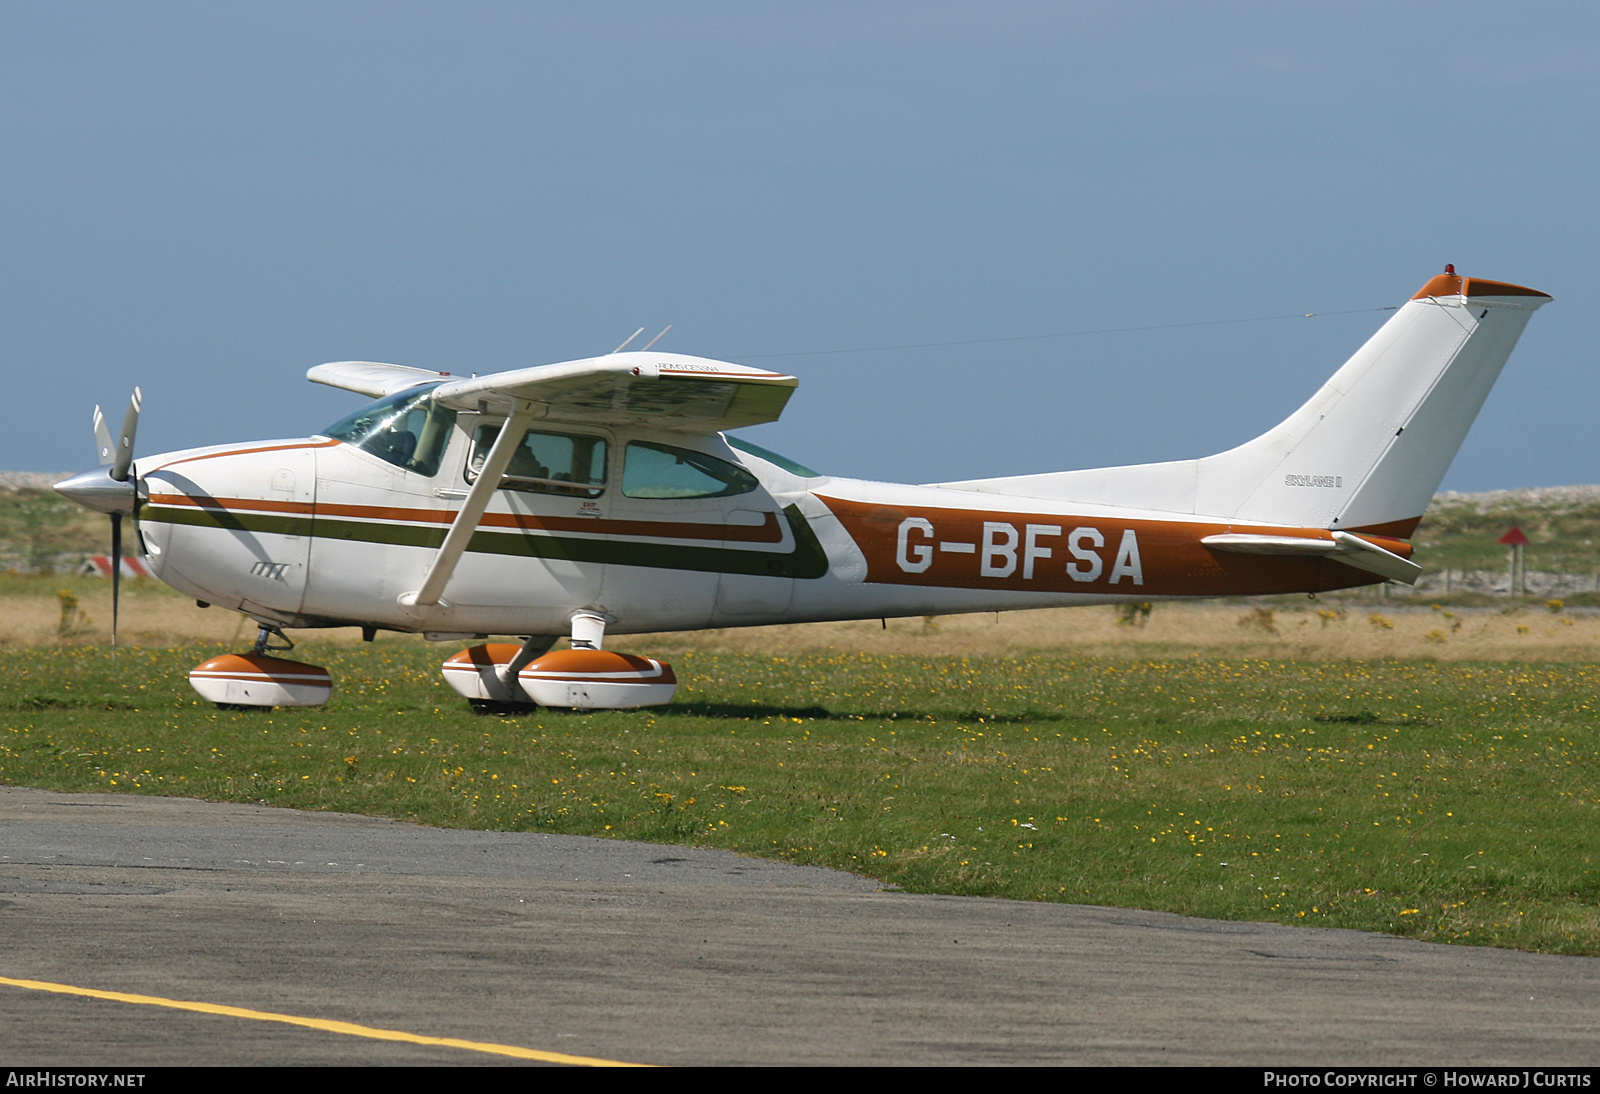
x=494 y=678
x=500 y=678
x=258 y=681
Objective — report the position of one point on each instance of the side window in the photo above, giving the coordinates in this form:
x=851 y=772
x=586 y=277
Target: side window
x=651 y=470
x=788 y=465
x=547 y=463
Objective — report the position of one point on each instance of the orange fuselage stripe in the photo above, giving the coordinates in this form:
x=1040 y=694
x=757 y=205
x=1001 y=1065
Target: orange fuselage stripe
x=769 y=531
x=246 y=452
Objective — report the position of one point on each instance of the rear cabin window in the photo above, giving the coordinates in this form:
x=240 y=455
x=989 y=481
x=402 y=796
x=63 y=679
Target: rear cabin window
x=651 y=470
x=407 y=429
x=787 y=464
x=573 y=464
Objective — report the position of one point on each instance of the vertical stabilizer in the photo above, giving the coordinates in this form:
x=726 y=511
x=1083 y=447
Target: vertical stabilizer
x=1367 y=451
x=1370 y=448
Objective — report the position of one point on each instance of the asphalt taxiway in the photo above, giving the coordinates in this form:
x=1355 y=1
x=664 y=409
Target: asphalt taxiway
x=649 y=954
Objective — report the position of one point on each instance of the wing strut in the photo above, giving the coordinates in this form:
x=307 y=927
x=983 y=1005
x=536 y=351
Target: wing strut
x=477 y=500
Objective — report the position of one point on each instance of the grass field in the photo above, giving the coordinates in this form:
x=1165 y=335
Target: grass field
x=1451 y=801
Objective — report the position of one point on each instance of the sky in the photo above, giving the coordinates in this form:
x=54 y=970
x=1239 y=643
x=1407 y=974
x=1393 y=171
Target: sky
x=206 y=199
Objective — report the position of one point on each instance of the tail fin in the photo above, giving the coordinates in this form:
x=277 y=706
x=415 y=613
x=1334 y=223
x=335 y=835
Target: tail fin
x=1364 y=453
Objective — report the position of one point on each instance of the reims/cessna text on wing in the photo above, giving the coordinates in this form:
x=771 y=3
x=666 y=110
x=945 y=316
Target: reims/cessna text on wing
x=606 y=496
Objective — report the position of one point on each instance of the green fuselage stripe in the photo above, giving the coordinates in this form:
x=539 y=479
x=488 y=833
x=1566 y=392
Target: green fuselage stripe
x=807 y=560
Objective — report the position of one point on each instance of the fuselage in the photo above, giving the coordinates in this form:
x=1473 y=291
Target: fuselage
x=656 y=531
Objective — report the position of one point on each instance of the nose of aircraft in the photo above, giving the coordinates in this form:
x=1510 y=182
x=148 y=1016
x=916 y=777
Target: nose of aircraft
x=97 y=490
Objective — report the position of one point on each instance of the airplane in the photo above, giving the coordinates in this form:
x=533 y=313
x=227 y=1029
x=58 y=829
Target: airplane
x=610 y=496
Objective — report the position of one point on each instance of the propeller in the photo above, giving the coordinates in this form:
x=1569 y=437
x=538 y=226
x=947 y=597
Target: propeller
x=122 y=459
x=121 y=462
x=104 y=490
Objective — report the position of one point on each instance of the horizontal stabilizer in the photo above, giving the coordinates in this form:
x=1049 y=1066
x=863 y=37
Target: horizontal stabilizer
x=1340 y=547
x=1366 y=555
x=1240 y=543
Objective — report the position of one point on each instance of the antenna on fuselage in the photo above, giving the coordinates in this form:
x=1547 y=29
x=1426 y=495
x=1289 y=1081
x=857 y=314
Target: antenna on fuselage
x=630 y=338
x=656 y=339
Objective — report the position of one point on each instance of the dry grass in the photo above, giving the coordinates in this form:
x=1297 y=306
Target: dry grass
x=1317 y=632
x=152 y=616
x=156 y=617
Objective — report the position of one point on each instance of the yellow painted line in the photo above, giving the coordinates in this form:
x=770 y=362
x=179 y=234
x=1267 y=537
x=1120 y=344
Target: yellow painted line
x=324 y=1024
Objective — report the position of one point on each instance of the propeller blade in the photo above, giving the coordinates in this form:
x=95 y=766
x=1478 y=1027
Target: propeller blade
x=116 y=572
x=130 y=426
x=102 y=439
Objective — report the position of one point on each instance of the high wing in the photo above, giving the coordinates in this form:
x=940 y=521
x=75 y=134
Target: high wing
x=652 y=390
x=371 y=378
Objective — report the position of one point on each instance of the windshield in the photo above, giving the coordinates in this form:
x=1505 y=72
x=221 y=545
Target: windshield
x=408 y=429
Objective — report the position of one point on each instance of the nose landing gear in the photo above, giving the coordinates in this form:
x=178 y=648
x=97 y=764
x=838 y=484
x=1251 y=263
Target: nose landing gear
x=259 y=681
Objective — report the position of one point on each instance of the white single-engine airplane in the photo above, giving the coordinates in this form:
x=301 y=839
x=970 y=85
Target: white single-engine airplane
x=604 y=496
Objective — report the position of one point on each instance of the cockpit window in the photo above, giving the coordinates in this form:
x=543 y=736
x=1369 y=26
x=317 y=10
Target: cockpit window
x=651 y=470
x=407 y=429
